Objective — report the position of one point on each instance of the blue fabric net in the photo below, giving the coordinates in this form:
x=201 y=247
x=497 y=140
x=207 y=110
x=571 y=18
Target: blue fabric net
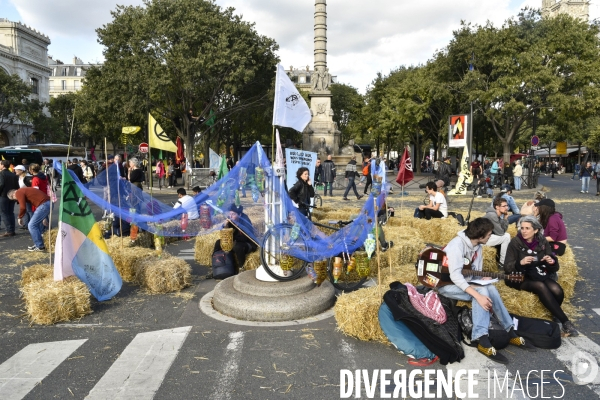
x=252 y=184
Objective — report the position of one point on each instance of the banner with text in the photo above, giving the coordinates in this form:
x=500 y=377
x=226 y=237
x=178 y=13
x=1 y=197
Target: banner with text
x=295 y=159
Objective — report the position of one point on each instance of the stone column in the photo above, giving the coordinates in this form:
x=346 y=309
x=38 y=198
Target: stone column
x=320 y=35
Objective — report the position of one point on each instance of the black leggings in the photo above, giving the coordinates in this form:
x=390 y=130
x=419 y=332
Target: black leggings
x=428 y=213
x=551 y=295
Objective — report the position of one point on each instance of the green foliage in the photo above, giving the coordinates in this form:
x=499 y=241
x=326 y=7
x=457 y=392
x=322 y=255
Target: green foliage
x=347 y=105
x=15 y=106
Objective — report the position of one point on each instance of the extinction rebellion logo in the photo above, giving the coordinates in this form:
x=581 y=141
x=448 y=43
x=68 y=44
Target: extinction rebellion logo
x=291 y=101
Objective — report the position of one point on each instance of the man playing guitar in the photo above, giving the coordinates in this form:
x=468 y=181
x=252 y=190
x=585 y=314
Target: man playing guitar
x=466 y=248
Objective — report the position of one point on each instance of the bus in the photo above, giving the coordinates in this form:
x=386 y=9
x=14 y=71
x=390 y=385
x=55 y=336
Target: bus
x=56 y=152
x=16 y=156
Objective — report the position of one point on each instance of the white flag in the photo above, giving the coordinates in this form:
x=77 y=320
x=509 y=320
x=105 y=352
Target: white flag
x=279 y=157
x=290 y=109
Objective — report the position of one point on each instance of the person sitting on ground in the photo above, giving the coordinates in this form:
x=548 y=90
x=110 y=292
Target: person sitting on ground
x=437 y=207
x=505 y=193
x=530 y=253
x=242 y=244
x=498 y=216
x=551 y=220
x=484 y=299
x=188 y=204
x=302 y=191
x=36 y=226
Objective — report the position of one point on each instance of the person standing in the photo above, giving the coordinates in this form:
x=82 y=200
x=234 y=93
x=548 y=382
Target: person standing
x=302 y=191
x=484 y=299
x=328 y=175
x=76 y=168
x=367 y=166
x=41 y=202
x=171 y=174
x=498 y=215
x=160 y=173
x=586 y=175
x=351 y=174
x=136 y=175
x=517 y=173
x=576 y=170
x=8 y=182
x=188 y=203
x=596 y=172
x=494 y=171
x=318 y=175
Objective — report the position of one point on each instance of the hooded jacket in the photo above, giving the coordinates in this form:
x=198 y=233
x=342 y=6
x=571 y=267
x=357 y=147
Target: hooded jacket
x=459 y=250
x=500 y=223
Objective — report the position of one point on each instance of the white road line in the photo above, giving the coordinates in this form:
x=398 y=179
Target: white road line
x=581 y=355
x=475 y=360
x=141 y=368
x=186 y=257
x=226 y=384
x=20 y=373
x=596 y=310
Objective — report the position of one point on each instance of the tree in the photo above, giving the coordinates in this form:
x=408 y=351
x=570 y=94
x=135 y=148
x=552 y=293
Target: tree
x=170 y=57
x=530 y=65
x=15 y=106
x=347 y=105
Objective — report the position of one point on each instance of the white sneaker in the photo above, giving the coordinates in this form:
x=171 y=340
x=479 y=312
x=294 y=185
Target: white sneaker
x=586 y=191
x=582 y=191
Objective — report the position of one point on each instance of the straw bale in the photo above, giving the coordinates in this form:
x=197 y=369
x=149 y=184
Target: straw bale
x=252 y=261
x=125 y=260
x=356 y=314
x=50 y=245
x=163 y=274
x=35 y=273
x=204 y=247
x=48 y=301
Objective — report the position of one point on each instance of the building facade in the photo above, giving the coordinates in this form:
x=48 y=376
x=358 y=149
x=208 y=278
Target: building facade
x=66 y=78
x=24 y=52
x=575 y=8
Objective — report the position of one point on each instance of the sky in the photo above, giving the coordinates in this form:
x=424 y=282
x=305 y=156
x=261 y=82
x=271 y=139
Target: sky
x=364 y=38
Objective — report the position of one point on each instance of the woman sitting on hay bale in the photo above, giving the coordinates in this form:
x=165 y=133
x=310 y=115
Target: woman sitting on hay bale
x=530 y=253
x=242 y=244
x=437 y=207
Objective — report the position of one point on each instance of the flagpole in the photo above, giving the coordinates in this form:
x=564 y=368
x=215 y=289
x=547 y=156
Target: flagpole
x=112 y=231
x=377 y=246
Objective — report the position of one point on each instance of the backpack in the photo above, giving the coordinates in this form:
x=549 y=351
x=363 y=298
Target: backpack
x=541 y=333
x=498 y=336
x=223 y=264
x=366 y=169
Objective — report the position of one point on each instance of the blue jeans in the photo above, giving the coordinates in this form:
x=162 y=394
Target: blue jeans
x=330 y=184
x=351 y=185
x=575 y=174
x=517 y=182
x=36 y=226
x=585 y=183
x=481 y=317
x=513 y=218
x=28 y=214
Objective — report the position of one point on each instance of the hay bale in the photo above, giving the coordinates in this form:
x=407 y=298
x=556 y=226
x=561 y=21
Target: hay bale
x=35 y=273
x=356 y=314
x=204 y=248
x=50 y=244
x=48 y=301
x=252 y=261
x=126 y=259
x=163 y=275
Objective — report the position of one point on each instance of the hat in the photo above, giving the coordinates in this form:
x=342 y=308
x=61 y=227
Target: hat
x=506 y=189
x=20 y=167
x=545 y=202
x=111 y=157
x=236 y=209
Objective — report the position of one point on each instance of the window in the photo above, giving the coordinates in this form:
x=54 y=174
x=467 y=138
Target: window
x=34 y=86
x=301 y=79
x=64 y=72
x=78 y=71
x=63 y=85
x=77 y=85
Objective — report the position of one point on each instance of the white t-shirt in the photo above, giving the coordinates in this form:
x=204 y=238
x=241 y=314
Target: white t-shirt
x=188 y=203
x=440 y=199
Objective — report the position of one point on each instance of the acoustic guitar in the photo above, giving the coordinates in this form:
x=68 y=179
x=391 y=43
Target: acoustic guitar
x=432 y=269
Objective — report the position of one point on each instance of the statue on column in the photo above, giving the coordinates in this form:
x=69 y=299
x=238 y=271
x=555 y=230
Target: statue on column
x=326 y=79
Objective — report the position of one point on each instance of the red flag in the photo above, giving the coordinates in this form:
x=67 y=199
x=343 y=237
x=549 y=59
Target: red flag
x=179 y=156
x=405 y=174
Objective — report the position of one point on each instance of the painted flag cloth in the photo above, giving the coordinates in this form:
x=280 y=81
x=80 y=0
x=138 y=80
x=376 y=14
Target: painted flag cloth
x=80 y=246
x=290 y=109
x=158 y=138
x=222 y=168
x=405 y=173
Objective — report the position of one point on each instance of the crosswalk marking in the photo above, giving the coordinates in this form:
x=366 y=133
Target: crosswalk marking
x=229 y=371
x=578 y=352
x=20 y=373
x=141 y=368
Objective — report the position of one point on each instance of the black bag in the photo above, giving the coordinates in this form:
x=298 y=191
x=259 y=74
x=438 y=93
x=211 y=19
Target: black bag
x=223 y=264
x=541 y=333
x=498 y=336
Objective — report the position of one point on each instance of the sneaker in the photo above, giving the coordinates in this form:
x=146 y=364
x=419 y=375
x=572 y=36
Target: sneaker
x=582 y=191
x=35 y=248
x=31 y=248
x=345 y=198
x=492 y=354
x=479 y=196
x=360 y=197
x=522 y=343
x=568 y=330
x=586 y=191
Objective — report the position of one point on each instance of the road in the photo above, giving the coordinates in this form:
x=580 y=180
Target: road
x=164 y=347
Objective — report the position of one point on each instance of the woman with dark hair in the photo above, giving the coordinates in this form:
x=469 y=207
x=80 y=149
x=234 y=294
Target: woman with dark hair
x=530 y=253
x=551 y=221
x=302 y=191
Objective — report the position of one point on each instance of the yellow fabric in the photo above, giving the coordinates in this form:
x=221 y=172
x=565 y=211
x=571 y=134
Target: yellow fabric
x=96 y=236
x=158 y=138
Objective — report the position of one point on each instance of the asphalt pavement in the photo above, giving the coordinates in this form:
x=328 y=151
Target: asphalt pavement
x=164 y=347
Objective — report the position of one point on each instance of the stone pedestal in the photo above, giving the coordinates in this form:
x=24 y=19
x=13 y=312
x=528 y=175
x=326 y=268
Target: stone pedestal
x=244 y=297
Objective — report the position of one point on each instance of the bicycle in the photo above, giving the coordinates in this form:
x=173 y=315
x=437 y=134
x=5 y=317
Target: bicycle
x=286 y=238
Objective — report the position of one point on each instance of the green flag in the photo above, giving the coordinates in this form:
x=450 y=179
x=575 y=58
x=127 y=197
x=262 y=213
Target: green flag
x=222 y=168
